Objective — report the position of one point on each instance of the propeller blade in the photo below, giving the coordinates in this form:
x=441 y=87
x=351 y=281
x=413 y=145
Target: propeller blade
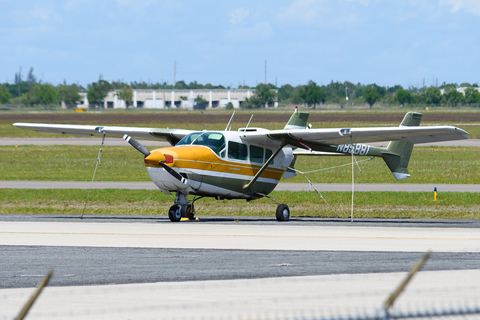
x=134 y=143
x=174 y=173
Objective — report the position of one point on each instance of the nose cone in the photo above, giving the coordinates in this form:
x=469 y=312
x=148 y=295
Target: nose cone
x=154 y=158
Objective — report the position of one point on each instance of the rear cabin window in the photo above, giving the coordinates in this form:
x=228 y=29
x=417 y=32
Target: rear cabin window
x=256 y=154
x=237 y=151
x=268 y=154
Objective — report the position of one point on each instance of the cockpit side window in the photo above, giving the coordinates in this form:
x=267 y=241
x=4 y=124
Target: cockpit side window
x=189 y=138
x=213 y=140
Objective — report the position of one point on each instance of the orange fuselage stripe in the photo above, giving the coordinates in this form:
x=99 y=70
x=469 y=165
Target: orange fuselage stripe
x=203 y=158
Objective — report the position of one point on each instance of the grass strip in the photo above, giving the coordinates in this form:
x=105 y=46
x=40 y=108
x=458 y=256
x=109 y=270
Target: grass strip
x=415 y=205
x=124 y=163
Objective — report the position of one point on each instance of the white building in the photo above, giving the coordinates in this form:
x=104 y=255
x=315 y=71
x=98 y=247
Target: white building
x=166 y=99
x=460 y=89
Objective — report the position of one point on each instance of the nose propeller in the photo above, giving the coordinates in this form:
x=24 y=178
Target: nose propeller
x=137 y=145
x=134 y=143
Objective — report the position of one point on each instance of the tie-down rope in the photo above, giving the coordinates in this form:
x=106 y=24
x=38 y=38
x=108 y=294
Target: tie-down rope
x=316 y=190
x=96 y=165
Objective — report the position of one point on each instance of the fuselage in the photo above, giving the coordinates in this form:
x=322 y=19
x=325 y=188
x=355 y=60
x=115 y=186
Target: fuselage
x=219 y=164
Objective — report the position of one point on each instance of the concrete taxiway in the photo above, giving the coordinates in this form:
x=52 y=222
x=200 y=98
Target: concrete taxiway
x=272 y=236
x=133 y=267
x=121 y=267
x=268 y=298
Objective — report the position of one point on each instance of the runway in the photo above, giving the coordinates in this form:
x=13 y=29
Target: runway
x=124 y=267
x=359 y=187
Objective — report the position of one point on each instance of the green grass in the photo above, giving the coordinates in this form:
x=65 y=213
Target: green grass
x=427 y=165
x=450 y=205
x=71 y=163
x=123 y=163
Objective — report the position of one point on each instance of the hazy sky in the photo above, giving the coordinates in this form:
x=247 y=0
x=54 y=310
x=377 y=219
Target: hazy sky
x=226 y=42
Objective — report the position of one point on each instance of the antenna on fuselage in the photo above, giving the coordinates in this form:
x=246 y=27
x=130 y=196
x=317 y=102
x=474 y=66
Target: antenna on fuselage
x=226 y=128
x=248 y=123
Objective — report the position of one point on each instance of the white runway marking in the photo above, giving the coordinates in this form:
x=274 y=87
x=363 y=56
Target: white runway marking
x=238 y=236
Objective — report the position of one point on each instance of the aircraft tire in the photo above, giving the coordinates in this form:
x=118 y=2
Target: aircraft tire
x=188 y=211
x=174 y=213
x=283 y=212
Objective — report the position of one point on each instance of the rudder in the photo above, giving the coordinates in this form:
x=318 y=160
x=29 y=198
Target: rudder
x=398 y=152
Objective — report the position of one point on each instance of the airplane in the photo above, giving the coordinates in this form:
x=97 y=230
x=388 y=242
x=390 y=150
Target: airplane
x=249 y=163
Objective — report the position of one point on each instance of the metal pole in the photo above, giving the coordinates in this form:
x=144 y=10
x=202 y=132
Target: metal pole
x=353 y=178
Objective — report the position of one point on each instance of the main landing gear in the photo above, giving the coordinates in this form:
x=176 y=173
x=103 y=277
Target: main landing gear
x=283 y=212
x=182 y=208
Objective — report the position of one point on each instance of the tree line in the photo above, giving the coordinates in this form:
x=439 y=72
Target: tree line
x=29 y=91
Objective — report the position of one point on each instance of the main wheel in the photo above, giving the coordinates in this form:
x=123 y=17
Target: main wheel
x=174 y=213
x=283 y=212
x=188 y=211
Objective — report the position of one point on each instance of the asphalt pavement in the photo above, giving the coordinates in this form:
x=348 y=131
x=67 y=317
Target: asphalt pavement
x=79 y=266
x=100 y=250
x=146 y=267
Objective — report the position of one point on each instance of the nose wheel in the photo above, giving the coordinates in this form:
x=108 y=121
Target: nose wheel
x=175 y=213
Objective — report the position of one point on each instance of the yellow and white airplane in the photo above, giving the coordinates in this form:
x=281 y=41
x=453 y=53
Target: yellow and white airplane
x=249 y=163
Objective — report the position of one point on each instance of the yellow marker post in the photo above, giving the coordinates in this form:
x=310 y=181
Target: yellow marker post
x=435 y=194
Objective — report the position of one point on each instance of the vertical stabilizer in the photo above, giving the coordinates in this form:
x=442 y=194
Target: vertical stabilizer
x=298 y=120
x=398 y=152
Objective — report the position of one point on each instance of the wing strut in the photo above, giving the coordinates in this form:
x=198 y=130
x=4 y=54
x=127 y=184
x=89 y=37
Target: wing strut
x=248 y=185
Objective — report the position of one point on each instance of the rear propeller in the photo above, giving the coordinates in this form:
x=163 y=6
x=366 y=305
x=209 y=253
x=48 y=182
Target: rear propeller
x=137 y=145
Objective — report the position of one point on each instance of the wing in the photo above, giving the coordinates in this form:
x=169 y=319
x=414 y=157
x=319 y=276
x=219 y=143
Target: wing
x=171 y=135
x=359 y=135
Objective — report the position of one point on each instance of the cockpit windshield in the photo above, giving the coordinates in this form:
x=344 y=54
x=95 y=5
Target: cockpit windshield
x=213 y=140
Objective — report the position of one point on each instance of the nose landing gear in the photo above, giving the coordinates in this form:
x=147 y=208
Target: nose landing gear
x=182 y=208
x=175 y=213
